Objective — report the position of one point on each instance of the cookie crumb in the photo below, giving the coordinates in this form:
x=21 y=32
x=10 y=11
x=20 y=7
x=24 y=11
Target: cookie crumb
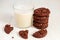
x=12 y=37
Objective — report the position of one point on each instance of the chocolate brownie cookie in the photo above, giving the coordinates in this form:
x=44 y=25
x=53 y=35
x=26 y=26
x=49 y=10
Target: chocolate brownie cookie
x=40 y=18
x=8 y=28
x=41 y=21
x=23 y=34
x=40 y=34
x=40 y=25
x=42 y=12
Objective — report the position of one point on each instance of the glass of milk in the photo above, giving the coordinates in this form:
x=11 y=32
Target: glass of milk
x=23 y=15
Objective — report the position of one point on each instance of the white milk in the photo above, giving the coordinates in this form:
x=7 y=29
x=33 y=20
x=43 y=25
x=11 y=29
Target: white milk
x=23 y=16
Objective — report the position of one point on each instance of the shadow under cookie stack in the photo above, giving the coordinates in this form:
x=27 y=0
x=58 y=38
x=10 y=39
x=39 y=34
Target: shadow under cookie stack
x=40 y=18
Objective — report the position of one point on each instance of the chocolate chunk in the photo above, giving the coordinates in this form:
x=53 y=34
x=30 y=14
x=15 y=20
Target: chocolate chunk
x=40 y=25
x=40 y=34
x=8 y=29
x=24 y=34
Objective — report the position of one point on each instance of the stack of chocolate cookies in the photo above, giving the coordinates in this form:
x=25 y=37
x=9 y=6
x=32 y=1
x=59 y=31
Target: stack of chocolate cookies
x=40 y=18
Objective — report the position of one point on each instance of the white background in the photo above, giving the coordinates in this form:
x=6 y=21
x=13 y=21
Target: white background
x=6 y=16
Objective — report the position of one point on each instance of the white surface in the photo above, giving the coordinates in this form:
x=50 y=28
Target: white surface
x=6 y=16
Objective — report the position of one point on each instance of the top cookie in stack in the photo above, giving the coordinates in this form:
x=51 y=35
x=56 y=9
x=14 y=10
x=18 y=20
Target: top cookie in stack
x=40 y=18
x=42 y=12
